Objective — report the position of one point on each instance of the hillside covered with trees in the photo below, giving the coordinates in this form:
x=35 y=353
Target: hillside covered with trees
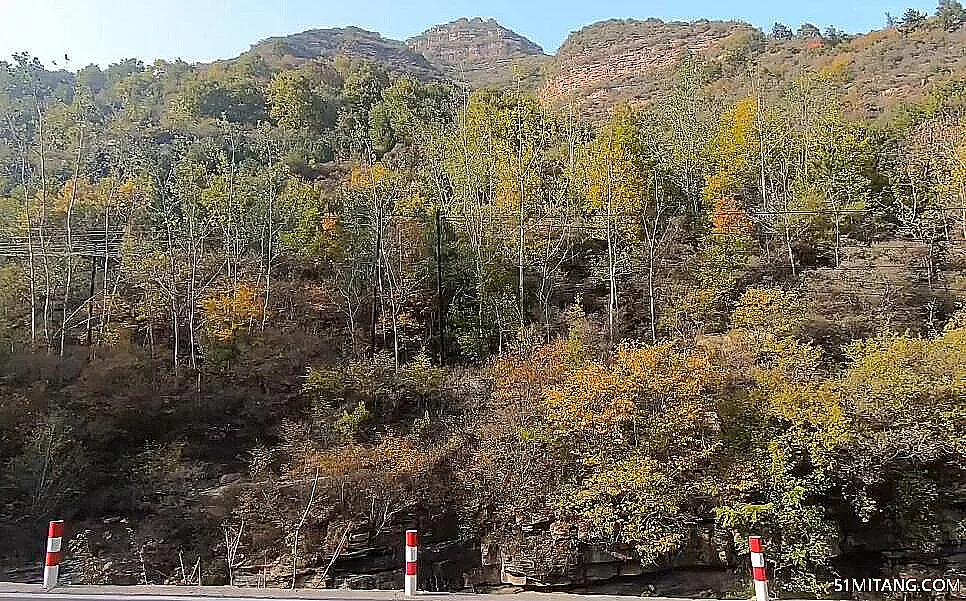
x=258 y=317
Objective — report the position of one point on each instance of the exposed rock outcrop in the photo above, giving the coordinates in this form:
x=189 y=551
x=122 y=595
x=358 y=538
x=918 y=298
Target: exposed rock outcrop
x=480 y=52
x=622 y=59
x=352 y=42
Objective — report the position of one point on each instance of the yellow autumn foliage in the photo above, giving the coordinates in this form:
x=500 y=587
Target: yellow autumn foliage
x=363 y=178
x=230 y=310
x=610 y=165
x=901 y=376
x=602 y=398
x=86 y=194
x=734 y=144
x=838 y=68
x=594 y=398
x=772 y=310
x=523 y=376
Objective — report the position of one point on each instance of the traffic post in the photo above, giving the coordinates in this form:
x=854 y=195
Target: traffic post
x=55 y=537
x=411 y=544
x=758 y=568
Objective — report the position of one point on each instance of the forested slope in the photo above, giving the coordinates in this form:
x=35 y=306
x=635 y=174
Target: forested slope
x=879 y=72
x=295 y=309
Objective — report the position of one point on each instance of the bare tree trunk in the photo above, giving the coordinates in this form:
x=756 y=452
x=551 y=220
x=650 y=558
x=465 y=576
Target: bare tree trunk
x=555 y=253
x=611 y=250
x=42 y=231
x=650 y=291
x=352 y=301
x=105 y=316
x=804 y=90
x=788 y=246
x=269 y=257
x=335 y=555
x=192 y=353
x=28 y=224
x=172 y=295
x=760 y=128
x=192 y=291
x=231 y=242
x=544 y=284
x=394 y=279
x=184 y=574
x=298 y=527
x=521 y=232
x=838 y=240
x=69 y=251
x=144 y=566
x=377 y=284
x=440 y=306
x=41 y=487
x=962 y=205
x=90 y=308
x=231 y=549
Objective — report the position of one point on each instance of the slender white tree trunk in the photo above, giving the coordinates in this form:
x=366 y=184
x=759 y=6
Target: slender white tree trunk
x=611 y=251
x=69 y=250
x=42 y=230
x=28 y=224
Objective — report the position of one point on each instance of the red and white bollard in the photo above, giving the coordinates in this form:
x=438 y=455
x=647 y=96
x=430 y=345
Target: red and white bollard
x=758 y=569
x=55 y=537
x=411 y=544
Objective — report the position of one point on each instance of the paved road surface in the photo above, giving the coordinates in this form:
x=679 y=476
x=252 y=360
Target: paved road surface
x=34 y=592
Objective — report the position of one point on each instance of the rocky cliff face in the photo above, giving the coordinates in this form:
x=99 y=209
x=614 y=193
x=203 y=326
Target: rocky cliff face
x=625 y=59
x=537 y=553
x=352 y=42
x=479 y=52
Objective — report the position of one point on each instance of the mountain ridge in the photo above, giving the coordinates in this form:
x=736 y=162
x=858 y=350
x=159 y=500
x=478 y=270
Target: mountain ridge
x=354 y=42
x=481 y=52
x=619 y=60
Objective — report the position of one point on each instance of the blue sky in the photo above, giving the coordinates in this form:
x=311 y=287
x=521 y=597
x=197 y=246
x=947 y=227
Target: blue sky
x=103 y=31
